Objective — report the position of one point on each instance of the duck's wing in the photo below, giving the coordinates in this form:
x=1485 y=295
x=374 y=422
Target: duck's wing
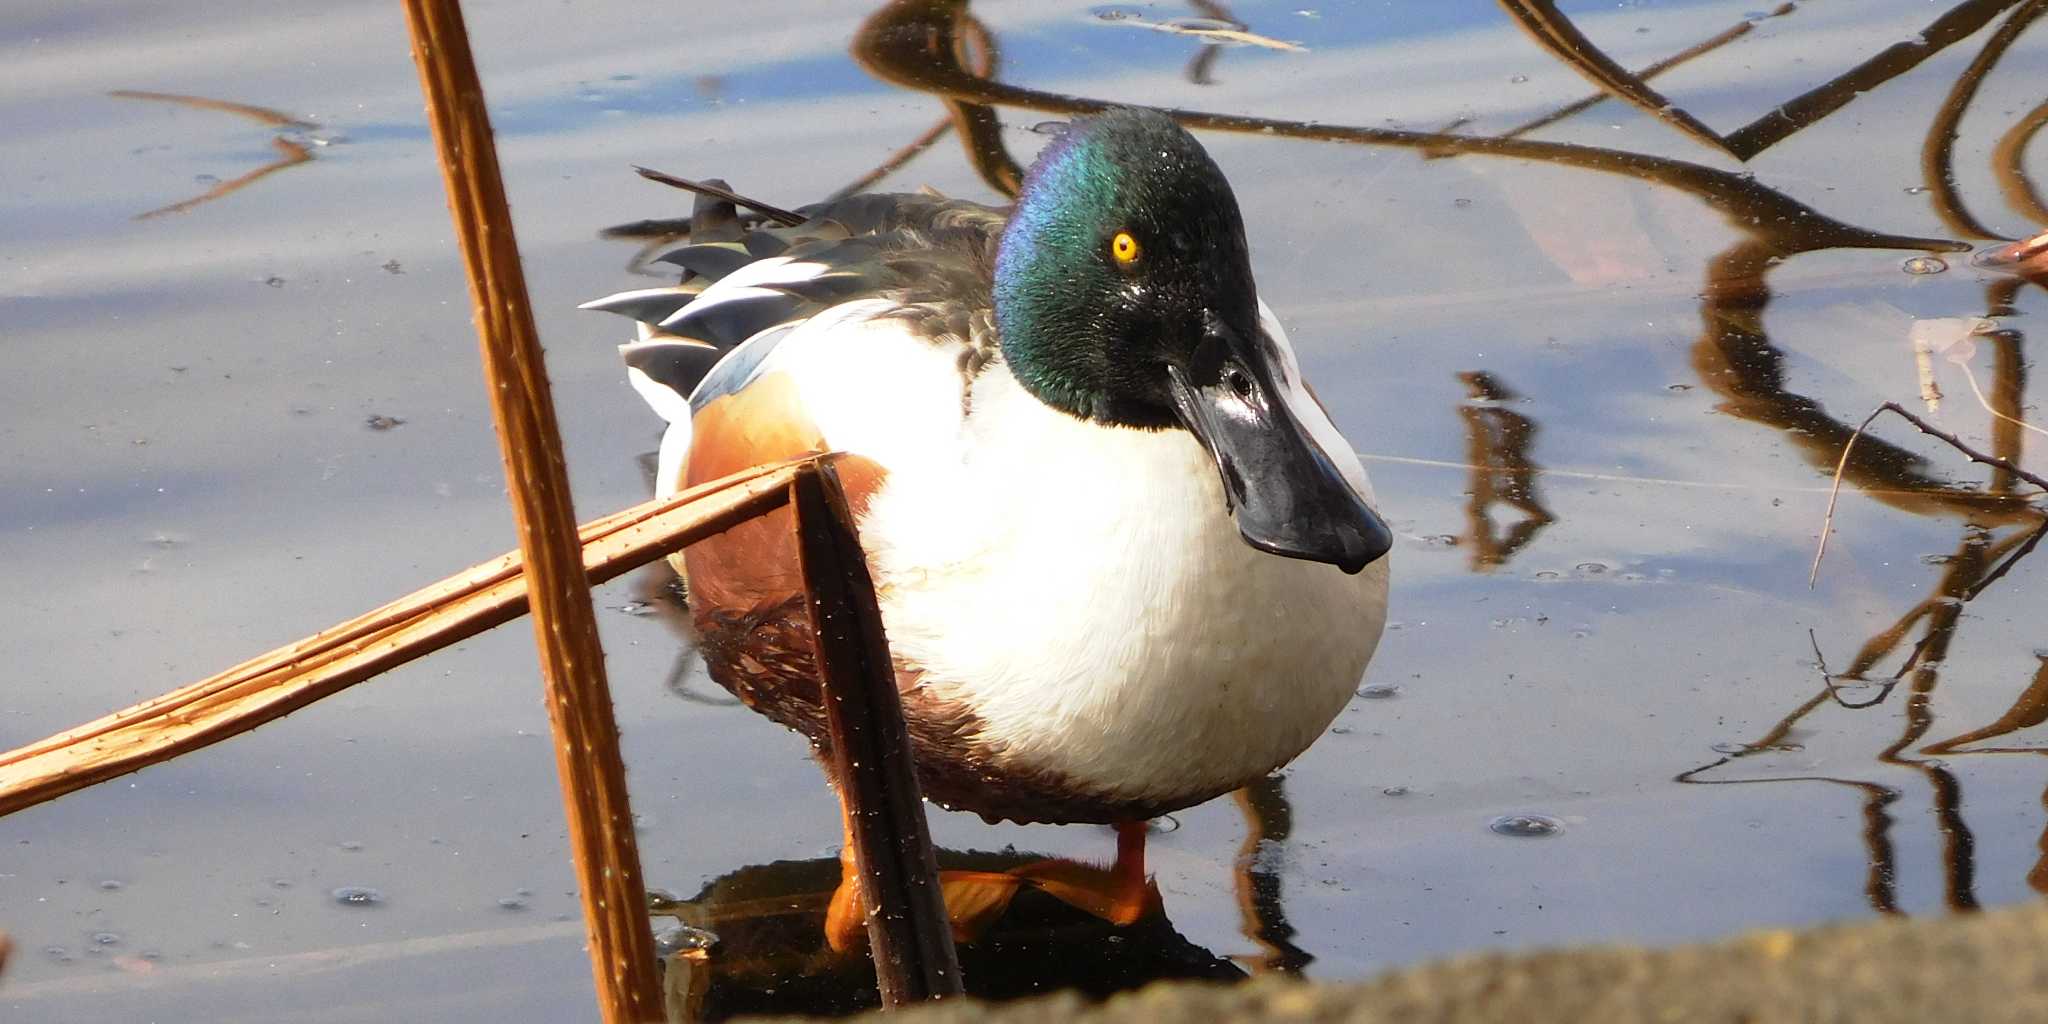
x=926 y=255
x=876 y=308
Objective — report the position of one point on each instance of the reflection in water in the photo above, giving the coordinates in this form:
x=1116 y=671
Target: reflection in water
x=1216 y=28
x=1261 y=916
x=1557 y=33
x=1652 y=70
x=1737 y=360
x=1983 y=557
x=291 y=151
x=1937 y=155
x=752 y=941
x=1497 y=441
x=769 y=956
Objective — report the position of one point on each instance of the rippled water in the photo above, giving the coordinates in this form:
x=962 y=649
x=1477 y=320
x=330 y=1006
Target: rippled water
x=1601 y=387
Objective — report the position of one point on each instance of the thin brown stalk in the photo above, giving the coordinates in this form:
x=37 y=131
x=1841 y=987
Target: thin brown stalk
x=1827 y=523
x=1834 y=492
x=587 y=758
x=774 y=213
x=271 y=685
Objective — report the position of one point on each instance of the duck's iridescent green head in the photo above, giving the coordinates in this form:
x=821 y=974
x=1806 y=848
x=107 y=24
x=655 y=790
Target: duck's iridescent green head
x=1124 y=295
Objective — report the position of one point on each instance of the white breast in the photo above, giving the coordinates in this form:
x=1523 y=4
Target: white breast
x=1084 y=591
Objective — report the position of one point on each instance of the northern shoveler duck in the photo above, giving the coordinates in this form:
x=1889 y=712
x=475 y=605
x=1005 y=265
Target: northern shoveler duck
x=1125 y=561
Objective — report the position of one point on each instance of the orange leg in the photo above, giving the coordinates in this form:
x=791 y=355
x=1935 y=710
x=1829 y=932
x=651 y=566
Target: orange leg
x=1121 y=895
x=846 y=927
x=974 y=899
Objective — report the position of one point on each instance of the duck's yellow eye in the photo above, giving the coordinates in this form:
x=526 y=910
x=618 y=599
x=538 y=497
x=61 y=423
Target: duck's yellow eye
x=1124 y=247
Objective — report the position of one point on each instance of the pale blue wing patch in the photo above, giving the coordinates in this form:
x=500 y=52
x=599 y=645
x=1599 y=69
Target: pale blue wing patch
x=741 y=367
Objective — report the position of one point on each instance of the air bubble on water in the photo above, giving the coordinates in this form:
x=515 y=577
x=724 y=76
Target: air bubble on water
x=1379 y=691
x=1165 y=824
x=112 y=885
x=676 y=937
x=1924 y=265
x=1915 y=190
x=1546 y=574
x=105 y=939
x=357 y=896
x=1340 y=730
x=1590 y=568
x=1517 y=79
x=512 y=903
x=57 y=954
x=1526 y=826
x=1394 y=791
x=1678 y=387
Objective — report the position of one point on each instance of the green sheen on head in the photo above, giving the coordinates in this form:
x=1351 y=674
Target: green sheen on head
x=1086 y=330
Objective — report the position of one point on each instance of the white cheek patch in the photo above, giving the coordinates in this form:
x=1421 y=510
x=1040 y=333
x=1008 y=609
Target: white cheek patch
x=1301 y=402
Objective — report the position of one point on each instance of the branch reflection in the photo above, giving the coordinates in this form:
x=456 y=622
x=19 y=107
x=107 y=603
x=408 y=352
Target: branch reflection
x=291 y=152
x=1497 y=442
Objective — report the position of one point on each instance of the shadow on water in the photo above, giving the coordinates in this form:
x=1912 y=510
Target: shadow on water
x=766 y=918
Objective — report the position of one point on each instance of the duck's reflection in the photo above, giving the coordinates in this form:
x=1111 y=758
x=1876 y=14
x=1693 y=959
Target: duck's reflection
x=753 y=940
x=769 y=954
